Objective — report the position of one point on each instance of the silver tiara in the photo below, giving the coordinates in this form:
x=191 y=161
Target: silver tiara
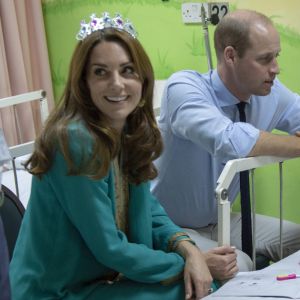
x=105 y=22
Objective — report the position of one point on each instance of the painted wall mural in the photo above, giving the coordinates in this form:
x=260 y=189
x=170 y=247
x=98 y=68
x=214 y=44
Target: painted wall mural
x=174 y=46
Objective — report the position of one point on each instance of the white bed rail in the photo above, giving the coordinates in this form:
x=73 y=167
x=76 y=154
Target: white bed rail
x=25 y=148
x=231 y=168
x=27 y=97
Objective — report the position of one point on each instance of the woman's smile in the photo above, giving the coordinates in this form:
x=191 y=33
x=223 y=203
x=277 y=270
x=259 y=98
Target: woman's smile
x=114 y=84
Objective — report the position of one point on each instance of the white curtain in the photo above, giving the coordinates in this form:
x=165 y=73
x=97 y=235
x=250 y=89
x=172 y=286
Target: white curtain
x=24 y=67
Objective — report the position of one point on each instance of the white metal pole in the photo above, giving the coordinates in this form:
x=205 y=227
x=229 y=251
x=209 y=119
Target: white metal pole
x=206 y=37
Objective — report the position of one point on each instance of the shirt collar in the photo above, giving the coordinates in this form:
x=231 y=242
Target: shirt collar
x=225 y=97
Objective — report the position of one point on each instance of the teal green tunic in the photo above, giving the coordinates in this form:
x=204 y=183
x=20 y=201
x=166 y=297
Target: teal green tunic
x=69 y=240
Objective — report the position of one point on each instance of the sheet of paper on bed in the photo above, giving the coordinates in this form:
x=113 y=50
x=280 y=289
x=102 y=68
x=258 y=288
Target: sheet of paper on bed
x=261 y=283
x=265 y=285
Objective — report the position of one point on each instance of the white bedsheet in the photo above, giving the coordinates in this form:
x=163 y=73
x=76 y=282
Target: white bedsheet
x=24 y=184
x=24 y=179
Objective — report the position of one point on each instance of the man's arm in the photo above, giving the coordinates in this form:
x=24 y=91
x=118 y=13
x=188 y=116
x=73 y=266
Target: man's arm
x=277 y=145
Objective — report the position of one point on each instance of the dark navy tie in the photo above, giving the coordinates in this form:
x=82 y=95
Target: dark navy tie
x=245 y=199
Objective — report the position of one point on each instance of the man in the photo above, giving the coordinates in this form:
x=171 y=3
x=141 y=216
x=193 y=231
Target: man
x=200 y=125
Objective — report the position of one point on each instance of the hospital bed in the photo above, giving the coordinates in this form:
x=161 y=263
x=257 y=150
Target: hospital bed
x=14 y=175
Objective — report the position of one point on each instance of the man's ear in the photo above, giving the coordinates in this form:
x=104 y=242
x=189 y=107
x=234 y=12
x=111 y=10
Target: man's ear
x=230 y=54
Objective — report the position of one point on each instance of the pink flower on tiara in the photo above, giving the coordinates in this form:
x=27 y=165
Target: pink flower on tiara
x=118 y=22
x=105 y=22
x=96 y=23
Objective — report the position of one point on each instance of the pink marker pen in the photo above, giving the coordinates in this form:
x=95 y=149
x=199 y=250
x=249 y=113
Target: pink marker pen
x=287 y=276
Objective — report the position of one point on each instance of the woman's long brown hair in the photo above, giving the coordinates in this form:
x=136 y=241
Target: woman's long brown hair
x=141 y=140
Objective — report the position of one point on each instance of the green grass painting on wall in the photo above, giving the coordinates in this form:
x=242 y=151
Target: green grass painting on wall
x=170 y=44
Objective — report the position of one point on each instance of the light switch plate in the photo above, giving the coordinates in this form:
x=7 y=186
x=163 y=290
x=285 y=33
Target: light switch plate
x=214 y=12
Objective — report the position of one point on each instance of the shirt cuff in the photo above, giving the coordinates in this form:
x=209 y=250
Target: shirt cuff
x=244 y=138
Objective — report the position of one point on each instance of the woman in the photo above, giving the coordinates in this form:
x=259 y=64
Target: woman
x=92 y=230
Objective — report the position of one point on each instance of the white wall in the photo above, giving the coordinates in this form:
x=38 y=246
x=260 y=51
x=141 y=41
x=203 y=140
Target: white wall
x=158 y=91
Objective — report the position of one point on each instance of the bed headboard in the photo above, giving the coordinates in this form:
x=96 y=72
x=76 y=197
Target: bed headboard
x=26 y=148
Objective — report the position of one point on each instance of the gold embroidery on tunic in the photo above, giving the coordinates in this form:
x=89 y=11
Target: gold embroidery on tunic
x=122 y=197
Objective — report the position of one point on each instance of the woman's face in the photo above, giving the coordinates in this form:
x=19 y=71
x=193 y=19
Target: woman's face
x=113 y=82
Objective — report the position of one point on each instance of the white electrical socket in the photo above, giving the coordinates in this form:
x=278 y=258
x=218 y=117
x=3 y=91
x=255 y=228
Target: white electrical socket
x=214 y=12
x=191 y=12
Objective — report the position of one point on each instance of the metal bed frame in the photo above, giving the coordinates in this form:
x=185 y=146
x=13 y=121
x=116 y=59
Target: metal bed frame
x=25 y=148
x=231 y=168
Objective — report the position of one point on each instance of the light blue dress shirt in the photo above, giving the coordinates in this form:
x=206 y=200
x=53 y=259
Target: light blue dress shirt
x=201 y=132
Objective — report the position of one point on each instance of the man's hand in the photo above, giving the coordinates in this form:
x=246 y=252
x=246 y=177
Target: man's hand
x=222 y=262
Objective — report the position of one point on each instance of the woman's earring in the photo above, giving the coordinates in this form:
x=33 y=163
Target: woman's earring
x=142 y=103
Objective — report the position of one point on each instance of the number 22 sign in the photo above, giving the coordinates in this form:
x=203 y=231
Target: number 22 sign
x=216 y=11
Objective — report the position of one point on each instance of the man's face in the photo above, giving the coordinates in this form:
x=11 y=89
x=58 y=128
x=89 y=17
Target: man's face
x=256 y=70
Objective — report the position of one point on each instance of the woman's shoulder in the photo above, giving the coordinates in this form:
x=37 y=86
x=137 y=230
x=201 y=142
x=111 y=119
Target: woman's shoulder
x=79 y=137
x=78 y=131
x=78 y=128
